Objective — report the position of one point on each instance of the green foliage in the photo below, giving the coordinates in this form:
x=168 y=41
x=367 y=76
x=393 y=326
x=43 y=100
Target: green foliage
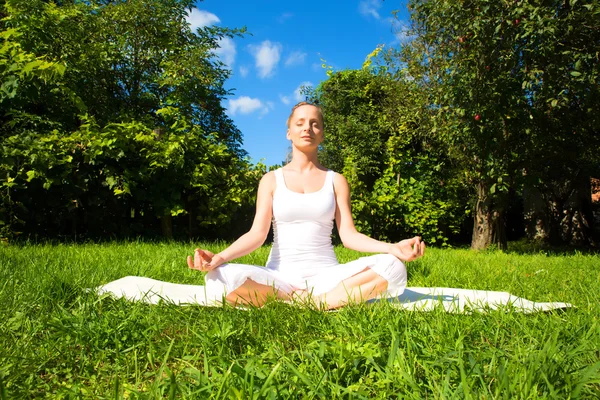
x=58 y=340
x=112 y=120
x=563 y=80
x=17 y=65
x=376 y=134
x=508 y=82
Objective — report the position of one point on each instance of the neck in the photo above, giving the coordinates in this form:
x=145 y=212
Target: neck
x=303 y=161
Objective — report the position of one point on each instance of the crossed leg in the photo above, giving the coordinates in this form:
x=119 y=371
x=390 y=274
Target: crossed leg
x=360 y=287
x=256 y=294
x=363 y=286
x=380 y=272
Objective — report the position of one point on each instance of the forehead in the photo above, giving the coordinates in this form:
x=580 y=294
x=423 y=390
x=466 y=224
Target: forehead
x=306 y=111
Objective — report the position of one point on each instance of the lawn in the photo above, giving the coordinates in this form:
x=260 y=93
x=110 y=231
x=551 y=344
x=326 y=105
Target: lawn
x=59 y=341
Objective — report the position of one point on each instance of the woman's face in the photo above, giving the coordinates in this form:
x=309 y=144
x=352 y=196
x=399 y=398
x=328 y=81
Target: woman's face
x=306 y=127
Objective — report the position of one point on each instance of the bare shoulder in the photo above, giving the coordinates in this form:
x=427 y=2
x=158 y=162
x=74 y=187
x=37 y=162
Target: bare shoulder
x=268 y=178
x=340 y=184
x=267 y=182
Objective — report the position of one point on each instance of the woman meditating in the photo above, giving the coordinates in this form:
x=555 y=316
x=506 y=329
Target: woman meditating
x=302 y=200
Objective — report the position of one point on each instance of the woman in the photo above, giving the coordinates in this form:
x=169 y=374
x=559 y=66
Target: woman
x=303 y=199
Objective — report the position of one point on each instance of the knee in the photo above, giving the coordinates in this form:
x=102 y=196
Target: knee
x=391 y=263
x=392 y=270
x=214 y=273
x=223 y=279
x=224 y=272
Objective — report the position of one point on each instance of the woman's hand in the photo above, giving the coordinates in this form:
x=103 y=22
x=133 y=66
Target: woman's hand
x=408 y=249
x=204 y=260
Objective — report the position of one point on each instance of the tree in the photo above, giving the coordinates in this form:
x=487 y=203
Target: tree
x=476 y=62
x=128 y=129
x=563 y=142
x=376 y=133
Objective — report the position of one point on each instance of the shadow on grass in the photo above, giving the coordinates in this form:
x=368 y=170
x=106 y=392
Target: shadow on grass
x=65 y=293
x=534 y=247
x=418 y=268
x=531 y=247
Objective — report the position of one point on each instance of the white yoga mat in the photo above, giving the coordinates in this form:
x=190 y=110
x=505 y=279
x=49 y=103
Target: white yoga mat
x=138 y=288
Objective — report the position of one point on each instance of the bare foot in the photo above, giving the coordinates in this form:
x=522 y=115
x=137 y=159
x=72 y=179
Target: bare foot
x=300 y=295
x=306 y=298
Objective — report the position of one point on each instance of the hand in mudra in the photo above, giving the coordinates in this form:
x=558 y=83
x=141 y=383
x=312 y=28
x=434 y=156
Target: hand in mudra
x=408 y=249
x=204 y=260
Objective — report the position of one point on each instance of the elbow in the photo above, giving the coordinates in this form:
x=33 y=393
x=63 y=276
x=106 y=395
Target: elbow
x=346 y=238
x=263 y=239
x=344 y=241
x=259 y=235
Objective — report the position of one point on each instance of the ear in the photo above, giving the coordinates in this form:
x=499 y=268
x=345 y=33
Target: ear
x=287 y=134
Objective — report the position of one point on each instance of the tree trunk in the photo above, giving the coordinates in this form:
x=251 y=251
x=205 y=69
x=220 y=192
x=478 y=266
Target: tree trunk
x=74 y=219
x=190 y=216
x=166 y=226
x=562 y=213
x=489 y=226
x=578 y=223
x=535 y=214
x=555 y=209
x=190 y=225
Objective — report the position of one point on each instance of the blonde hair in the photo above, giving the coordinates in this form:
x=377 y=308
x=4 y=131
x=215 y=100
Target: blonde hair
x=304 y=103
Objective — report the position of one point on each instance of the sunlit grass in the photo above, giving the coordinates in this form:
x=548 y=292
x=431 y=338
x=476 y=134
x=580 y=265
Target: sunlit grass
x=57 y=340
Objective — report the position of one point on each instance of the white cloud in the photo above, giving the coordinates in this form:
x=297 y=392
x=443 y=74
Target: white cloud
x=401 y=30
x=244 y=71
x=298 y=95
x=248 y=105
x=285 y=99
x=226 y=51
x=266 y=108
x=283 y=17
x=200 y=18
x=269 y=105
x=370 y=8
x=296 y=58
x=267 y=56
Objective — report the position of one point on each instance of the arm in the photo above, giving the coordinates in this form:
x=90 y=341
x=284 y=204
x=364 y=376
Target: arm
x=406 y=250
x=251 y=240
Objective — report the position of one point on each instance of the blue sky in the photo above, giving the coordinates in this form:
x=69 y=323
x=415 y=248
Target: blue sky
x=286 y=45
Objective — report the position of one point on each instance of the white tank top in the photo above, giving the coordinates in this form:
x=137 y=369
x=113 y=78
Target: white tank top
x=302 y=226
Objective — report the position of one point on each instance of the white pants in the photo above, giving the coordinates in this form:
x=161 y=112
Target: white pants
x=228 y=277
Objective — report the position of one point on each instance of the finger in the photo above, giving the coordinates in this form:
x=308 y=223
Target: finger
x=404 y=256
x=422 y=248
x=416 y=246
x=209 y=253
x=190 y=262
x=197 y=260
x=205 y=256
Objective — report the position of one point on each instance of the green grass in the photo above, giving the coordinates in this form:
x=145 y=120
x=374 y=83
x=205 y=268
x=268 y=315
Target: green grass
x=58 y=341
